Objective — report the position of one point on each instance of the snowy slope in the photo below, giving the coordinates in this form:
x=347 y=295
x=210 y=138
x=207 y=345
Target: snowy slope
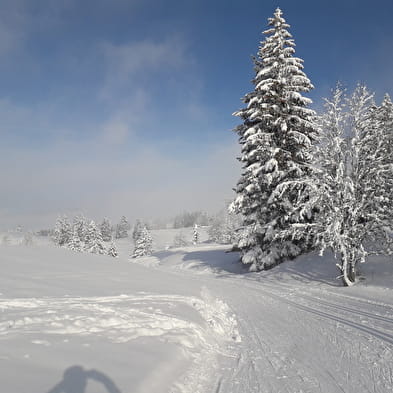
x=144 y=330
x=190 y=320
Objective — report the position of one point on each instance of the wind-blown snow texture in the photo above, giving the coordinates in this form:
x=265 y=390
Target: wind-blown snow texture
x=189 y=320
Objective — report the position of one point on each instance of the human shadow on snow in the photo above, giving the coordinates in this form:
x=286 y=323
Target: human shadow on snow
x=75 y=380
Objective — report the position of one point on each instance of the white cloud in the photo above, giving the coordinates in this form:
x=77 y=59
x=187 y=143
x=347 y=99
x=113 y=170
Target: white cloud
x=134 y=63
x=132 y=57
x=126 y=119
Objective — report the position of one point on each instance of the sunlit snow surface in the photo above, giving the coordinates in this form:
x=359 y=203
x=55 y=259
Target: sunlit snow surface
x=189 y=320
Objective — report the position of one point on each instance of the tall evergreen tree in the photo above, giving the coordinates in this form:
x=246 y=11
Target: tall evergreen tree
x=75 y=243
x=143 y=245
x=106 y=230
x=62 y=232
x=276 y=138
x=122 y=228
x=94 y=242
x=137 y=230
x=80 y=226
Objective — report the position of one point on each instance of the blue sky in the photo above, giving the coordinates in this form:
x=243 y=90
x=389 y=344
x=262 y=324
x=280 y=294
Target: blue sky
x=115 y=107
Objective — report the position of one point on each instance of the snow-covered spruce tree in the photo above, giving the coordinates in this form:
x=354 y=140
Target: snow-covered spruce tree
x=372 y=167
x=62 y=232
x=94 y=242
x=106 y=230
x=143 y=245
x=195 y=235
x=80 y=226
x=112 y=250
x=354 y=212
x=137 y=230
x=122 y=228
x=276 y=138
x=75 y=243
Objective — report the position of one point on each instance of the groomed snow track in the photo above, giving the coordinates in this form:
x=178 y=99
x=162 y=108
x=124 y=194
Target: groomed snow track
x=303 y=338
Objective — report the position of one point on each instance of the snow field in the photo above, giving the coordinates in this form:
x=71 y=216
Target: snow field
x=146 y=341
x=181 y=321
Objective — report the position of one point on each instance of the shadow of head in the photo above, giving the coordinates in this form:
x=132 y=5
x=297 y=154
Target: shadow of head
x=75 y=379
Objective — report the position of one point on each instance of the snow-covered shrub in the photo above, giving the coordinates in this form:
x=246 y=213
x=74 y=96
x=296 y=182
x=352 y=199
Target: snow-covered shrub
x=112 y=250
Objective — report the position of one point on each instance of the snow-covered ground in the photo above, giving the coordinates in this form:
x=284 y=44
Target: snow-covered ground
x=189 y=320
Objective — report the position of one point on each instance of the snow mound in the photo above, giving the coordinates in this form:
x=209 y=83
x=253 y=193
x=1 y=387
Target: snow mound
x=123 y=318
x=148 y=261
x=218 y=315
x=202 y=328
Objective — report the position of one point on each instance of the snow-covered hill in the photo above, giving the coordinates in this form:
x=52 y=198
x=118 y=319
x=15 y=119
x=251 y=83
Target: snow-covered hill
x=189 y=320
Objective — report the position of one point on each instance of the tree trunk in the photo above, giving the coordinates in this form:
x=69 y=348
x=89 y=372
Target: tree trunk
x=348 y=272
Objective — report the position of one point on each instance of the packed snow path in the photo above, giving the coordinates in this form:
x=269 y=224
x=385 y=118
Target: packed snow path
x=188 y=320
x=302 y=338
x=294 y=342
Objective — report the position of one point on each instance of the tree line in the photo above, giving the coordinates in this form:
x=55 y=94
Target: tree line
x=311 y=180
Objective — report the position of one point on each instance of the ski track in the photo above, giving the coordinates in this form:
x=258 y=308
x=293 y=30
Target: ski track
x=301 y=343
x=303 y=338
